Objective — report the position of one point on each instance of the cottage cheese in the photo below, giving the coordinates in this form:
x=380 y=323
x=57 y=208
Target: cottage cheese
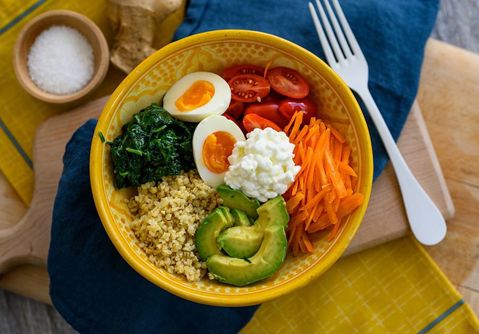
x=262 y=166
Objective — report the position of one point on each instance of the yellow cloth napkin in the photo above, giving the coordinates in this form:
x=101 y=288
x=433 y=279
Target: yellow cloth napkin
x=393 y=288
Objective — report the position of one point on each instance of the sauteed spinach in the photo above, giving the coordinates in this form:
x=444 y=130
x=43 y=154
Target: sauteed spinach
x=152 y=145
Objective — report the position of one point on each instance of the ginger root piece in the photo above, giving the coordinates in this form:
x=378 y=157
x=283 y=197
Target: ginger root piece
x=134 y=23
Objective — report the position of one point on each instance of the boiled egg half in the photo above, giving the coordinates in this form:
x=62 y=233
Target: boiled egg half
x=196 y=96
x=213 y=141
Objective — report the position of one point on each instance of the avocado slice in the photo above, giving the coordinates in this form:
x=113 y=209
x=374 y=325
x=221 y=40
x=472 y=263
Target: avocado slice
x=244 y=241
x=240 y=218
x=273 y=212
x=241 y=241
x=209 y=229
x=262 y=265
x=235 y=199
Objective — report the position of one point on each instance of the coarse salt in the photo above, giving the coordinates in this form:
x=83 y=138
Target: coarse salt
x=61 y=61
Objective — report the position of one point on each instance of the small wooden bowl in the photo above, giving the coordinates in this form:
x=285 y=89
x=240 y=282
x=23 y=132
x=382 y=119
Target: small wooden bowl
x=67 y=18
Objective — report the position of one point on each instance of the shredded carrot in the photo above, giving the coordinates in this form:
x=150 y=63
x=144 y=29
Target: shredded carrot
x=324 y=191
x=293 y=202
x=290 y=124
x=266 y=68
x=338 y=135
x=307 y=244
x=301 y=134
x=349 y=204
x=346 y=169
x=346 y=153
x=334 y=175
x=296 y=125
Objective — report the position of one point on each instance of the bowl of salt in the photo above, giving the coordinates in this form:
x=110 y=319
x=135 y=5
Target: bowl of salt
x=60 y=56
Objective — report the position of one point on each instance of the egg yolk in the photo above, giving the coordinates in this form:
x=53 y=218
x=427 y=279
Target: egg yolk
x=216 y=150
x=197 y=95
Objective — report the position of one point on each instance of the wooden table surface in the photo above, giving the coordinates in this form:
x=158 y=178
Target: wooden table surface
x=454 y=128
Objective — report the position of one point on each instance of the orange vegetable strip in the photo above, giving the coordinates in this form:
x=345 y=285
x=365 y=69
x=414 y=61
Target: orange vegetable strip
x=353 y=183
x=346 y=154
x=296 y=125
x=322 y=127
x=312 y=132
x=334 y=175
x=307 y=244
x=347 y=183
x=315 y=227
x=301 y=135
x=296 y=238
x=320 y=149
x=294 y=201
x=302 y=246
x=330 y=212
x=322 y=176
x=349 y=204
x=338 y=149
x=267 y=68
x=315 y=201
x=301 y=152
x=295 y=188
x=317 y=177
x=319 y=211
x=290 y=124
x=306 y=162
x=337 y=135
x=334 y=232
x=310 y=219
x=301 y=183
x=291 y=235
x=346 y=169
x=312 y=121
x=336 y=204
x=310 y=177
x=319 y=224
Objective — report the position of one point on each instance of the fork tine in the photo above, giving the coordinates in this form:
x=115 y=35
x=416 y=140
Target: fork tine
x=347 y=29
x=322 y=37
x=337 y=30
x=332 y=38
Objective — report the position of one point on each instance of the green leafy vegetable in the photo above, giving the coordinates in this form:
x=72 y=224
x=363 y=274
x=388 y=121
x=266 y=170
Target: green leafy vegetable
x=153 y=144
x=102 y=137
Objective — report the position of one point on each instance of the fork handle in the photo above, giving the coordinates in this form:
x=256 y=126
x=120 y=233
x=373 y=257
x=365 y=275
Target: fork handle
x=425 y=219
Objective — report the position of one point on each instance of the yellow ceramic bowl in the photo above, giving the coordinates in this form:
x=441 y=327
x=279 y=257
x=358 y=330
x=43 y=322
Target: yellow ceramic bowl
x=214 y=51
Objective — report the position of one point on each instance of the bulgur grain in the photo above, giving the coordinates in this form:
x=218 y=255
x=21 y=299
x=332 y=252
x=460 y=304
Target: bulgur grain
x=166 y=218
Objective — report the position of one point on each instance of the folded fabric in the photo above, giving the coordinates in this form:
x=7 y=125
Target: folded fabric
x=392 y=35
x=91 y=285
x=394 y=288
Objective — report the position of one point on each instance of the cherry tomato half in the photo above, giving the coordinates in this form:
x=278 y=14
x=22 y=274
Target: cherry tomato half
x=233 y=71
x=235 y=109
x=288 y=82
x=249 y=88
x=253 y=121
x=269 y=110
x=288 y=107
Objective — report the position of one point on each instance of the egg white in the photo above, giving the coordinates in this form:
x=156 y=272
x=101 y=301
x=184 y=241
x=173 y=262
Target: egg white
x=216 y=106
x=206 y=127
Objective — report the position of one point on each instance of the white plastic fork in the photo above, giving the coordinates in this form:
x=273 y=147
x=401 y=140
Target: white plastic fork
x=347 y=60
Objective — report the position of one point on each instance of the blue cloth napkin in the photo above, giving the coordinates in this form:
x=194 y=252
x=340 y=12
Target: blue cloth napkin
x=392 y=35
x=93 y=287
